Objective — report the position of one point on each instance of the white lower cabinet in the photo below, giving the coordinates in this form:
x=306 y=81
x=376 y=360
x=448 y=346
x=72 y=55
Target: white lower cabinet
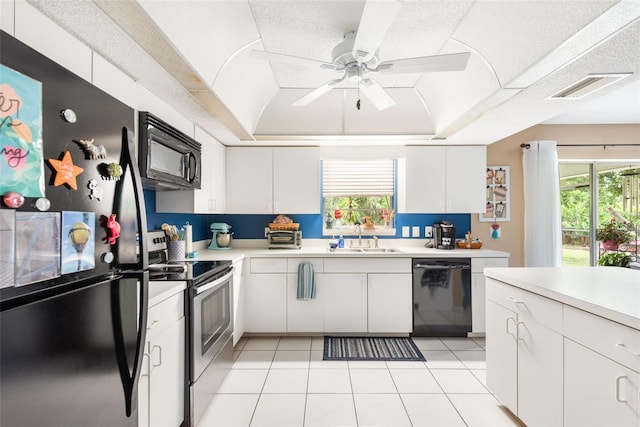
x=389 y=303
x=478 y=291
x=598 y=391
x=238 y=301
x=266 y=303
x=162 y=381
x=352 y=296
x=525 y=353
x=345 y=302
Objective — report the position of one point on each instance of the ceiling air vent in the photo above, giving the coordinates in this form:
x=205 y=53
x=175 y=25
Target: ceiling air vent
x=588 y=85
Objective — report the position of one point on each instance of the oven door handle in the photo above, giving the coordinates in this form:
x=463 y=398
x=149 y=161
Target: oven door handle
x=217 y=282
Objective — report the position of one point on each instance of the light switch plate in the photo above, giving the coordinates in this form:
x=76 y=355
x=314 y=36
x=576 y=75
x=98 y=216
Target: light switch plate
x=405 y=231
x=428 y=231
x=415 y=231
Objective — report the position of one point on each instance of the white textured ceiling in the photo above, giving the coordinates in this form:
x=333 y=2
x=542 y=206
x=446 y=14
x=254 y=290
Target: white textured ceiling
x=521 y=52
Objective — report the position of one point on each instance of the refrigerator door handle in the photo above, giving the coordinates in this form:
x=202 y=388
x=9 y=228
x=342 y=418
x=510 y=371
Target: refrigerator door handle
x=130 y=379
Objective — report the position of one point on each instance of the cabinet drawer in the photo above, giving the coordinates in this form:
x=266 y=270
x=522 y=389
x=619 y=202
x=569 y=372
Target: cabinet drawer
x=528 y=305
x=292 y=264
x=268 y=265
x=479 y=264
x=164 y=314
x=613 y=340
x=367 y=265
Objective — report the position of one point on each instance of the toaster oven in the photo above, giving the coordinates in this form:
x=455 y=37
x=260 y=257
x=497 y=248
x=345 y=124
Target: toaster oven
x=284 y=239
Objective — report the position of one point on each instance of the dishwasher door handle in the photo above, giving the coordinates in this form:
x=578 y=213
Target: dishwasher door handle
x=441 y=267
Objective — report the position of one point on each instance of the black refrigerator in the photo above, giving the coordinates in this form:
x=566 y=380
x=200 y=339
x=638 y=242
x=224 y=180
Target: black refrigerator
x=73 y=261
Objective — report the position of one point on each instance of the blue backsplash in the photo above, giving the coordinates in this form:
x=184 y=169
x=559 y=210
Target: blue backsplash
x=252 y=226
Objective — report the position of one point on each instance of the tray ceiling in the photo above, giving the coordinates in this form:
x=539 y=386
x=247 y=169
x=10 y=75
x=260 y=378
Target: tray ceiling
x=521 y=53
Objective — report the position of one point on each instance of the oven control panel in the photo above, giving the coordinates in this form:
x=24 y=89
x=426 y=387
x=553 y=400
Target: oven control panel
x=156 y=240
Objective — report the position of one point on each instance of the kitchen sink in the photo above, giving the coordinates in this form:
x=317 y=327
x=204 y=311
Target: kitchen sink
x=381 y=250
x=363 y=250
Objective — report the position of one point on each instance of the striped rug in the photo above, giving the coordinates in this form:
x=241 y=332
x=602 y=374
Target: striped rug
x=371 y=348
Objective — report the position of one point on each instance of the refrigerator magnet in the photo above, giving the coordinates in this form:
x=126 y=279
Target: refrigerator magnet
x=66 y=171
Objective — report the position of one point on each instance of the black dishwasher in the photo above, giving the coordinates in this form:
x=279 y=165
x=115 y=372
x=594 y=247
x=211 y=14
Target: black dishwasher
x=441 y=297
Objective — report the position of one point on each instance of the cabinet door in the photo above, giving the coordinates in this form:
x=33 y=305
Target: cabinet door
x=166 y=381
x=540 y=358
x=466 y=179
x=305 y=316
x=478 y=290
x=249 y=180
x=238 y=302
x=266 y=303
x=597 y=390
x=216 y=196
x=296 y=180
x=502 y=353
x=389 y=303
x=345 y=303
x=425 y=179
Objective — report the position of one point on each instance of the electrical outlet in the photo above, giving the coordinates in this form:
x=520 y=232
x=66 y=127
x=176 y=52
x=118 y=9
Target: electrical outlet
x=415 y=231
x=428 y=231
x=405 y=231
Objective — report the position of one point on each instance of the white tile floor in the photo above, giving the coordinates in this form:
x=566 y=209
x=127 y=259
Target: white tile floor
x=284 y=382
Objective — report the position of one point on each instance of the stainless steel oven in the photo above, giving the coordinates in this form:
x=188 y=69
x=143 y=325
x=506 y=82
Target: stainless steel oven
x=211 y=329
x=209 y=322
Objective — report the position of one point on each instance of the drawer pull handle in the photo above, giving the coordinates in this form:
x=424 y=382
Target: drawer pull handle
x=515 y=301
x=159 y=355
x=153 y=324
x=618 y=389
x=507 y=327
x=624 y=347
x=518 y=331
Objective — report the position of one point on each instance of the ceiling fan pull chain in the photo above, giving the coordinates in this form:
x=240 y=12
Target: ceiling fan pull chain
x=358 y=101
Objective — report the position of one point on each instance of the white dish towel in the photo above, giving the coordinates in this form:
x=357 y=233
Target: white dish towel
x=306 y=282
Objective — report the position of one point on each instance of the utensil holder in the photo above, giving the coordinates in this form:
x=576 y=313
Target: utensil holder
x=176 y=250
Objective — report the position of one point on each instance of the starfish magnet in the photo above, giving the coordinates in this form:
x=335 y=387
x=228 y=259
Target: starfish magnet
x=66 y=171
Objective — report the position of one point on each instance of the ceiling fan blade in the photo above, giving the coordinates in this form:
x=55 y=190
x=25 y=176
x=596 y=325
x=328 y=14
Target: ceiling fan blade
x=426 y=64
x=375 y=21
x=317 y=93
x=376 y=94
x=289 y=59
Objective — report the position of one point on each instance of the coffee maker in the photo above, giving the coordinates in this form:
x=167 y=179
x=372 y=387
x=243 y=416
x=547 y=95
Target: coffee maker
x=445 y=235
x=222 y=236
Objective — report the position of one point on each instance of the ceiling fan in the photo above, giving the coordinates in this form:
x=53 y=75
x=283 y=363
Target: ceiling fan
x=357 y=55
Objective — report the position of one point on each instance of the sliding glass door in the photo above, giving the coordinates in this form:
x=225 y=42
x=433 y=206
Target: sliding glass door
x=591 y=194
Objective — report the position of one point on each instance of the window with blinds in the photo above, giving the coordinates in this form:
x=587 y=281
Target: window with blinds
x=358 y=192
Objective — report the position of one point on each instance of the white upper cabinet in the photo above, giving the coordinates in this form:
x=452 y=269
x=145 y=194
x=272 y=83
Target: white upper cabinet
x=444 y=179
x=266 y=180
x=210 y=198
x=296 y=180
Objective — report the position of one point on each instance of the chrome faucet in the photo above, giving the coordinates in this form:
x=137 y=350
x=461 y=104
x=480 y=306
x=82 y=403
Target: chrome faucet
x=359 y=230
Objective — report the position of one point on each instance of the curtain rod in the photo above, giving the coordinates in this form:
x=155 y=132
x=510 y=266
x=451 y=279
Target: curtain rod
x=527 y=146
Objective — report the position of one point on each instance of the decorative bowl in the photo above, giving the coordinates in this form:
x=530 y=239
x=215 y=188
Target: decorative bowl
x=462 y=244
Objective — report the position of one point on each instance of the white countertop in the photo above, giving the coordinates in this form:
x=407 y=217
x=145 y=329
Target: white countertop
x=161 y=290
x=236 y=254
x=610 y=292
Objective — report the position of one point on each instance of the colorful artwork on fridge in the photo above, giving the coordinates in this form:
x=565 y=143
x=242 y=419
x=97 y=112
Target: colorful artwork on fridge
x=21 y=163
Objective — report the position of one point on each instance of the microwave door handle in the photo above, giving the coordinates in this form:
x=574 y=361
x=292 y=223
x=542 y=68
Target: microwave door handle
x=192 y=167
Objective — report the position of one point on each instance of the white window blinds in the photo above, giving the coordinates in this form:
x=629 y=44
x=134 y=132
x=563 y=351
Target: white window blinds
x=357 y=177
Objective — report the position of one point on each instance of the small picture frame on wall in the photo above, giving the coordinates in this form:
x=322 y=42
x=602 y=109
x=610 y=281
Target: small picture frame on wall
x=497 y=195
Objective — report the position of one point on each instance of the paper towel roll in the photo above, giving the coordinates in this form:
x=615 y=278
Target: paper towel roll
x=188 y=239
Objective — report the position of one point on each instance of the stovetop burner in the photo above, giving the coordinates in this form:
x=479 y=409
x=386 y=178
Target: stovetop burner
x=194 y=272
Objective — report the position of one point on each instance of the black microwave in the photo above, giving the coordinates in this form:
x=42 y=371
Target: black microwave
x=168 y=159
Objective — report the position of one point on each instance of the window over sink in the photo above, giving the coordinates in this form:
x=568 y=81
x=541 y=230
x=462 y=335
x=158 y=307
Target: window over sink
x=358 y=192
